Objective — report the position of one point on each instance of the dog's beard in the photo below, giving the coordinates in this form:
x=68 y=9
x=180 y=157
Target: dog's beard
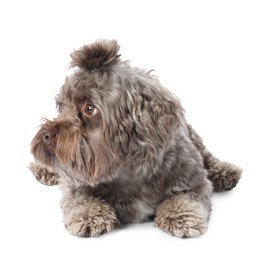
x=82 y=156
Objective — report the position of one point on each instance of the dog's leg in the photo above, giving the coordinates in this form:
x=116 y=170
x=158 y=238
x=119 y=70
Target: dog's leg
x=87 y=216
x=223 y=175
x=44 y=174
x=185 y=214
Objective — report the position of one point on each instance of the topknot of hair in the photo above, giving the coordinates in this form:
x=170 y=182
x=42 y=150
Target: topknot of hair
x=97 y=56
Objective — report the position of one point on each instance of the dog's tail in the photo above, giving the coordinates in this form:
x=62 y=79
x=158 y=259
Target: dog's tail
x=223 y=175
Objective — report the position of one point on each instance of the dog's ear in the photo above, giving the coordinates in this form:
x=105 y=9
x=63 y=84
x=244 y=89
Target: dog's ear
x=147 y=116
x=98 y=56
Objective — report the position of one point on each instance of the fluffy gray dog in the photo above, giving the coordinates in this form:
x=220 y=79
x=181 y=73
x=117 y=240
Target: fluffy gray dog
x=122 y=151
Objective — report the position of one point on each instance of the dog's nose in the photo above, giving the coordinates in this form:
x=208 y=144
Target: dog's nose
x=48 y=136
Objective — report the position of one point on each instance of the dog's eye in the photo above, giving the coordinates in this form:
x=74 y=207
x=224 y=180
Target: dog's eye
x=90 y=110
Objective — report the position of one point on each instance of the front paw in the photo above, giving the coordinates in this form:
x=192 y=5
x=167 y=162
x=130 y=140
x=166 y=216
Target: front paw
x=91 y=221
x=43 y=174
x=185 y=220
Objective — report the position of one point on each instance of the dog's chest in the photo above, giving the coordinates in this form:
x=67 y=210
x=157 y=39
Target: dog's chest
x=135 y=198
x=134 y=202
x=137 y=189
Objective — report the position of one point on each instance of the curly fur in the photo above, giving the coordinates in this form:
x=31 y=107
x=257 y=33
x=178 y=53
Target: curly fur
x=122 y=151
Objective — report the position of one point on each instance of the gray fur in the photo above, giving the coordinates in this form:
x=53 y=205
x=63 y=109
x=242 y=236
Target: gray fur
x=123 y=151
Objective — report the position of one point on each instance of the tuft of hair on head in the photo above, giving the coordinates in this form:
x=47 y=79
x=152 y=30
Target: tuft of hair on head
x=98 y=56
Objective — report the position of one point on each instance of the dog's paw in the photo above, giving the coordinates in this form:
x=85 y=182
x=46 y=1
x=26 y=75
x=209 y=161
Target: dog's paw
x=182 y=219
x=225 y=176
x=91 y=226
x=92 y=221
x=182 y=225
x=43 y=174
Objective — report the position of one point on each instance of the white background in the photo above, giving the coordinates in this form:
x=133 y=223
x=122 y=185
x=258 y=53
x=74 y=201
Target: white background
x=209 y=53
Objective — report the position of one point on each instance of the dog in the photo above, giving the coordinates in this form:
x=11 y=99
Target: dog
x=122 y=151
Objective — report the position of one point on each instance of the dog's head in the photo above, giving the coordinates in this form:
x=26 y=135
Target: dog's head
x=109 y=113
